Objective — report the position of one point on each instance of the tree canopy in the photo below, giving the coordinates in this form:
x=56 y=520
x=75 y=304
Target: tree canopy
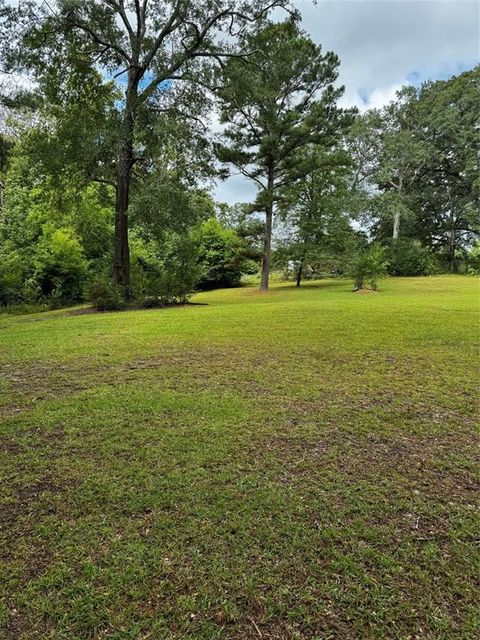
x=108 y=154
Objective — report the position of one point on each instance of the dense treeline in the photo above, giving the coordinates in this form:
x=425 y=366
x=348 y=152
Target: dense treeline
x=106 y=157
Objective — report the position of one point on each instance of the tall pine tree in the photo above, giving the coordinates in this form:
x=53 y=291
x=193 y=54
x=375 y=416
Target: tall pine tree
x=276 y=102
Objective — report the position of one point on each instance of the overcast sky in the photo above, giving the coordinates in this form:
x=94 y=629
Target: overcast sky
x=383 y=44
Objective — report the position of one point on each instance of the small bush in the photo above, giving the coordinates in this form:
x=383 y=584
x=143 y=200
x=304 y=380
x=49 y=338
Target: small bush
x=104 y=294
x=23 y=308
x=472 y=260
x=367 y=266
x=12 y=273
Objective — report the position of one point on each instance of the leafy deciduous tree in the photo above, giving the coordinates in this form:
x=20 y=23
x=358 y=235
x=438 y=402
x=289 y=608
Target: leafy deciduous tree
x=146 y=43
x=446 y=191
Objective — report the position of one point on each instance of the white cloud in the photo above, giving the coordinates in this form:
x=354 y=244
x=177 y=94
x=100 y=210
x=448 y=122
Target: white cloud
x=381 y=43
x=381 y=96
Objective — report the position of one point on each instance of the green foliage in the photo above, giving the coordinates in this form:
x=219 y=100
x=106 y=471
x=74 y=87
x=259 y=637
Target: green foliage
x=43 y=217
x=178 y=274
x=12 y=275
x=221 y=256
x=407 y=257
x=101 y=130
x=104 y=294
x=165 y=273
x=384 y=206
x=412 y=165
x=6 y=146
x=416 y=166
x=447 y=190
x=59 y=266
x=91 y=215
x=162 y=274
x=52 y=232
x=165 y=202
x=242 y=219
x=368 y=265
x=287 y=70
x=472 y=259
x=276 y=104
x=77 y=128
x=319 y=237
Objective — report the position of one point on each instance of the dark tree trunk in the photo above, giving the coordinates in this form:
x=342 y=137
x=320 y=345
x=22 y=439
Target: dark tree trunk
x=451 y=251
x=121 y=250
x=299 y=274
x=267 y=239
x=302 y=264
x=121 y=253
x=267 y=248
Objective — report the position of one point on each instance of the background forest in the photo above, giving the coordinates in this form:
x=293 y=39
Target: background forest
x=109 y=151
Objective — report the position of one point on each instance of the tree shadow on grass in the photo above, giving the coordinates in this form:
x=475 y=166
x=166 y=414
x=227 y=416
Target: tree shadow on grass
x=316 y=284
x=91 y=310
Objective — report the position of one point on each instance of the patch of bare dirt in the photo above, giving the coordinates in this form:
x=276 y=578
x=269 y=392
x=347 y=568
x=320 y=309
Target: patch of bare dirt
x=85 y=311
x=40 y=381
x=440 y=467
x=365 y=290
x=29 y=504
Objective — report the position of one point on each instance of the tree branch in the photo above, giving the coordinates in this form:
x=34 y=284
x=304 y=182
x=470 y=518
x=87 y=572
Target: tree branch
x=98 y=39
x=193 y=50
x=119 y=7
x=171 y=25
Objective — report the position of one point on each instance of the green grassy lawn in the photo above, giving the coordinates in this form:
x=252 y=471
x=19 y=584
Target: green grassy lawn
x=289 y=466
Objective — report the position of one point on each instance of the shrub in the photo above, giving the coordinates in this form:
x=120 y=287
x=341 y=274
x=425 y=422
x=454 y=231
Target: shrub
x=472 y=259
x=60 y=267
x=179 y=273
x=221 y=255
x=166 y=274
x=104 y=294
x=23 y=308
x=368 y=265
x=93 y=223
x=407 y=257
x=12 y=273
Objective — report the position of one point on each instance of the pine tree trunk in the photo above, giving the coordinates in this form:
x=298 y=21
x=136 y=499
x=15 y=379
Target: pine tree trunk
x=267 y=248
x=267 y=239
x=302 y=264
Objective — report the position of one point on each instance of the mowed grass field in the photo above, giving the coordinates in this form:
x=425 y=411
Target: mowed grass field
x=288 y=466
